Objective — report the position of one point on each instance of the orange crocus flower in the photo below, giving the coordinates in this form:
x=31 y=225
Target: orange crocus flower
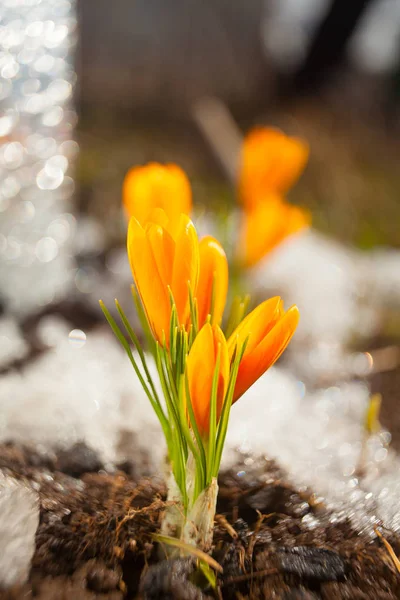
x=213 y=278
x=200 y=365
x=164 y=255
x=268 y=330
x=156 y=186
x=266 y=225
x=271 y=162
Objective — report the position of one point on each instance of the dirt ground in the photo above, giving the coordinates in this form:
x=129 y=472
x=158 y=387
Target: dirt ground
x=95 y=537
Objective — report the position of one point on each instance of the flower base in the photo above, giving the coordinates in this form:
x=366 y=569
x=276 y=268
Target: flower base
x=196 y=527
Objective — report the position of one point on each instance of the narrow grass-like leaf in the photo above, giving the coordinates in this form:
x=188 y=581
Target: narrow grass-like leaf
x=173 y=325
x=224 y=418
x=196 y=432
x=125 y=344
x=190 y=336
x=178 y=452
x=231 y=319
x=200 y=466
x=194 y=316
x=245 y=306
x=175 y=398
x=143 y=320
x=236 y=314
x=212 y=432
x=139 y=349
x=172 y=409
x=208 y=573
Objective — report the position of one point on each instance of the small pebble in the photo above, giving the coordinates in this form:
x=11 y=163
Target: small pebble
x=312 y=563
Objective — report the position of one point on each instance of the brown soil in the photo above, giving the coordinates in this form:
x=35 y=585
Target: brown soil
x=95 y=541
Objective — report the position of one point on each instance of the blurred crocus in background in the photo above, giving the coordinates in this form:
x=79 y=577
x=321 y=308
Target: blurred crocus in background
x=156 y=186
x=270 y=165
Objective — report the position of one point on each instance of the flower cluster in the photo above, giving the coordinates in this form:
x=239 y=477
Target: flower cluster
x=180 y=291
x=182 y=283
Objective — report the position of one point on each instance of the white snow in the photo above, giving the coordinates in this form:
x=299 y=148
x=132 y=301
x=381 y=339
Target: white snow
x=317 y=437
x=341 y=293
x=19 y=519
x=81 y=389
x=12 y=344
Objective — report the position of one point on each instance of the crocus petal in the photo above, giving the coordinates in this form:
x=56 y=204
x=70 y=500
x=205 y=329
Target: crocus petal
x=262 y=228
x=255 y=362
x=200 y=369
x=161 y=263
x=182 y=192
x=135 y=194
x=156 y=186
x=213 y=272
x=163 y=248
x=271 y=161
x=256 y=325
x=200 y=365
x=185 y=268
x=298 y=219
x=146 y=275
x=266 y=225
x=159 y=216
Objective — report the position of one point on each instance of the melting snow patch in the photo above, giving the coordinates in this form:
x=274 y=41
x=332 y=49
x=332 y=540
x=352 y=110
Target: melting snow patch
x=12 y=344
x=317 y=437
x=84 y=391
x=19 y=519
x=340 y=292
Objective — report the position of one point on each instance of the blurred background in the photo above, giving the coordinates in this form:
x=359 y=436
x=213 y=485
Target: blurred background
x=90 y=88
x=318 y=69
x=135 y=73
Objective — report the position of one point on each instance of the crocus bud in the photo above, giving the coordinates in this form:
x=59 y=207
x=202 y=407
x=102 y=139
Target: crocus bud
x=271 y=162
x=156 y=186
x=210 y=343
x=213 y=281
x=268 y=329
x=164 y=259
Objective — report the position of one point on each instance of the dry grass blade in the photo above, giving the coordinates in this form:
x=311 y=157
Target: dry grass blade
x=165 y=539
x=221 y=131
x=222 y=522
x=390 y=550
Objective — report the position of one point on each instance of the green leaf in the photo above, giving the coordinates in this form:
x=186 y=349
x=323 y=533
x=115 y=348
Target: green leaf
x=196 y=434
x=213 y=419
x=194 y=313
x=224 y=419
x=143 y=320
x=139 y=349
x=123 y=341
x=173 y=327
x=208 y=573
x=236 y=314
x=177 y=453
